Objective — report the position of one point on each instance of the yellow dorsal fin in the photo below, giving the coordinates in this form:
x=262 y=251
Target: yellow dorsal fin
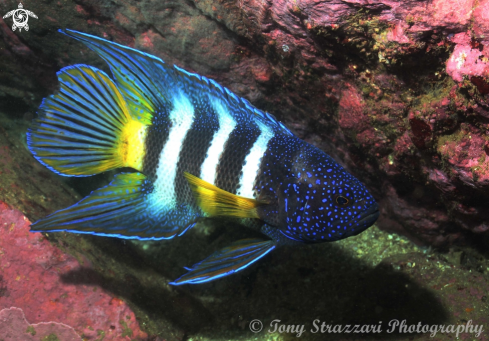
x=217 y=202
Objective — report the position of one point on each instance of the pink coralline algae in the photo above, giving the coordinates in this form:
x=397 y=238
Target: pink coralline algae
x=481 y=20
x=351 y=110
x=412 y=92
x=467 y=60
x=420 y=15
x=14 y=327
x=30 y=279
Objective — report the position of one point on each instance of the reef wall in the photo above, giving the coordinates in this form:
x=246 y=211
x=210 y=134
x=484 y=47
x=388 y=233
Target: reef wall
x=396 y=91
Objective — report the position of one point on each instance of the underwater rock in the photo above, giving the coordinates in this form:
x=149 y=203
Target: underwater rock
x=367 y=83
x=24 y=183
x=481 y=21
x=31 y=279
x=397 y=112
x=416 y=70
x=14 y=327
x=421 y=16
x=469 y=59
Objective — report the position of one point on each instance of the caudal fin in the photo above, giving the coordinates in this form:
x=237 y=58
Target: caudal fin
x=85 y=128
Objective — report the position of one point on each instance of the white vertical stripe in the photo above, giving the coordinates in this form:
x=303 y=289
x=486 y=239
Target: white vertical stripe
x=181 y=118
x=252 y=161
x=226 y=126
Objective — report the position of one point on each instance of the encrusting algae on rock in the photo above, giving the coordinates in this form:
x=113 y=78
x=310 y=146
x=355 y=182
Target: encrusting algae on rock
x=32 y=281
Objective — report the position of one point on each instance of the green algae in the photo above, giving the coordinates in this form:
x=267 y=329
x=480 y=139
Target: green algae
x=126 y=331
x=353 y=42
x=434 y=92
x=363 y=22
x=51 y=337
x=456 y=137
x=482 y=158
x=31 y=330
x=100 y=334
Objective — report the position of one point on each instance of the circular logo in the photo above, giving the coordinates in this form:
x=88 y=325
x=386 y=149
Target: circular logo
x=20 y=17
x=256 y=326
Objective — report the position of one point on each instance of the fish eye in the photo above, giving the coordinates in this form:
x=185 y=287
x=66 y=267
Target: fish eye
x=341 y=201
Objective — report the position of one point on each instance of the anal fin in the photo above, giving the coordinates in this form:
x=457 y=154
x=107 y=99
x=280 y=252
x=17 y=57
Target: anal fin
x=231 y=259
x=122 y=209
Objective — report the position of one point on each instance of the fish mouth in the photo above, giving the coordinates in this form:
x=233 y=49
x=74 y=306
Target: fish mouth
x=370 y=216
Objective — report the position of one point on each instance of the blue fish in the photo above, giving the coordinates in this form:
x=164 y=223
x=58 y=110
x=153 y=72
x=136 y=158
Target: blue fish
x=198 y=152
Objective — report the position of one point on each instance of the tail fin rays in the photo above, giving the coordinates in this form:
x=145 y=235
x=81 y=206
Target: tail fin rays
x=85 y=128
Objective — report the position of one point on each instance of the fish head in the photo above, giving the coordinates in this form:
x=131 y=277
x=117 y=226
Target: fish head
x=322 y=205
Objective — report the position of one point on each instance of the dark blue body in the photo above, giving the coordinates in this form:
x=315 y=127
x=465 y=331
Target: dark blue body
x=313 y=199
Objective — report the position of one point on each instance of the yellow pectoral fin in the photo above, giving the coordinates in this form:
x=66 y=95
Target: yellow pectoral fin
x=217 y=202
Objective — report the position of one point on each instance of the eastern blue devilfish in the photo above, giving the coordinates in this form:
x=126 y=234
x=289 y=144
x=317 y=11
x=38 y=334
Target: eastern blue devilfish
x=198 y=151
